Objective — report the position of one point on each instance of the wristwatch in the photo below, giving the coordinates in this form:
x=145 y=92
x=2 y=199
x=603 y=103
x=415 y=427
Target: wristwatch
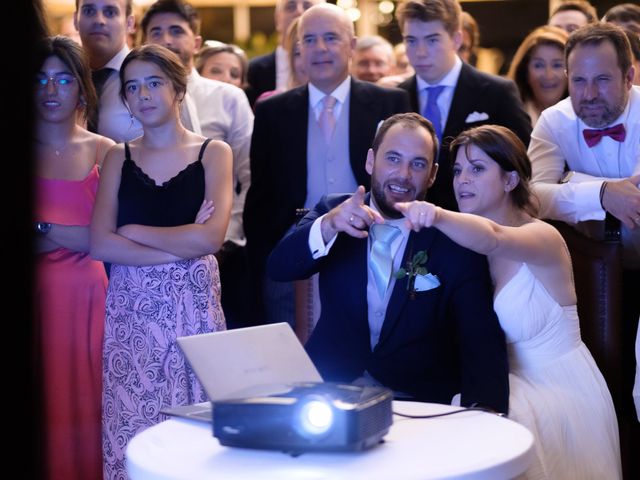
x=566 y=176
x=43 y=228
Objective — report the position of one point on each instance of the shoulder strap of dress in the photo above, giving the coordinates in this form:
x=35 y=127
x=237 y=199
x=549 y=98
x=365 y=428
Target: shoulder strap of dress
x=127 y=152
x=98 y=148
x=202 y=149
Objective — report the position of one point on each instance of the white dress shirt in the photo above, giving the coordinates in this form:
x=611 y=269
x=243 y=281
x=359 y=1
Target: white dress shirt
x=223 y=113
x=282 y=69
x=557 y=139
x=449 y=81
x=115 y=120
x=341 y=94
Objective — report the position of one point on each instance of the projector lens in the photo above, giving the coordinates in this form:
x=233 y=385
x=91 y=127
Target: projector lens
x=316 y=417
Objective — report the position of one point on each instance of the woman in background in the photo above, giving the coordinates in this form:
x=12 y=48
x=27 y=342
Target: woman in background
x=556 y=389
x=223 y=62
x=155 y=222
x=538 y=70
x=70 y=286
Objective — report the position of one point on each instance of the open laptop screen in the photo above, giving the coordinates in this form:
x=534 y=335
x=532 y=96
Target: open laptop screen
x=245 y=362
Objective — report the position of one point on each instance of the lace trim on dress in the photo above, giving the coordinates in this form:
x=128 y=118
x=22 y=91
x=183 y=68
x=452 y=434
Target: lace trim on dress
x=147 y=180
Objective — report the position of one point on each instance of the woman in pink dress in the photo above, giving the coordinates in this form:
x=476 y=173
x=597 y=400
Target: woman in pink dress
x=70 y=286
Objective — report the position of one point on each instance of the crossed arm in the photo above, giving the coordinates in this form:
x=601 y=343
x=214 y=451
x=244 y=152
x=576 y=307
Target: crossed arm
x=146 y=245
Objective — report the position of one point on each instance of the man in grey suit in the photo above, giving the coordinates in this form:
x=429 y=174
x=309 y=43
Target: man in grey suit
x=453 y=95
x=294 y=158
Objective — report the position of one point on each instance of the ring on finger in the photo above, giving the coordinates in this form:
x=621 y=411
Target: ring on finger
x=422 y=214
x=351 y=219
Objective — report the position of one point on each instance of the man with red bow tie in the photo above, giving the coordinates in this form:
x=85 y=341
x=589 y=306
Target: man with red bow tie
x=585 y=150
x=585 y=158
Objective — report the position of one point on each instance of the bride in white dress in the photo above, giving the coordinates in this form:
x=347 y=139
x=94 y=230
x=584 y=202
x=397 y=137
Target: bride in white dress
x=556 y=389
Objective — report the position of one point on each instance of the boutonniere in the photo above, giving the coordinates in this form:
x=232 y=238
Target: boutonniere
x=419 y=278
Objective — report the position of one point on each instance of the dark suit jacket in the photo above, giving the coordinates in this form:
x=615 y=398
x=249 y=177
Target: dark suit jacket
x=444 y=341
x=475 y=92
x=261 y=76
x=279 y=158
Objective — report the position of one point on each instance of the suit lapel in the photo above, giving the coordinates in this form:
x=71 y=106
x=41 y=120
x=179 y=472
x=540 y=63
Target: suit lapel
x=295 y=125
x=364 y=114
x=413 y=94
x=460 y=103
x=417 y=241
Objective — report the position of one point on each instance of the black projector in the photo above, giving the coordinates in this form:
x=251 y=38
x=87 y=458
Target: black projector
x=307 y=417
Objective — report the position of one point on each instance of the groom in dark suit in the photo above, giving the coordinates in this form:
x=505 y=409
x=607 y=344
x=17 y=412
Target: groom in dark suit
x=453 y=95
x=301 y=149
x=428 y=333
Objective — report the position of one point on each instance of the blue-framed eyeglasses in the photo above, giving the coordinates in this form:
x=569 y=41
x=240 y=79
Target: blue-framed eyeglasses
x=60 y=81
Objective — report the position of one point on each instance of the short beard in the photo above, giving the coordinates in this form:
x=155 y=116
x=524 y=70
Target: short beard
x=388 y=210
x=609 y=115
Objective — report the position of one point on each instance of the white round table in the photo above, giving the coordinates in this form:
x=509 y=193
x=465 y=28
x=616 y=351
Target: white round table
x=469 y=445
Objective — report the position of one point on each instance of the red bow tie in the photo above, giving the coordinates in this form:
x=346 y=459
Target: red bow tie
x=593 y=137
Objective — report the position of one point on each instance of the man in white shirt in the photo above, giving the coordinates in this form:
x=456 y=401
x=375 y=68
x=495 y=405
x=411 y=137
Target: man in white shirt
x=103 y=26
x=216 y=110
x=593 y=136
x=585 y=159
x=271 y=71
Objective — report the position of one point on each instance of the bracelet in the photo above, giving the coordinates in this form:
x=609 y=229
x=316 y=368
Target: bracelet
x=603 y=187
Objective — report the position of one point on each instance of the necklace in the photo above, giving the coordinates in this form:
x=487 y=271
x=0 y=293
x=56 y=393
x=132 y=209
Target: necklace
x=58 y=150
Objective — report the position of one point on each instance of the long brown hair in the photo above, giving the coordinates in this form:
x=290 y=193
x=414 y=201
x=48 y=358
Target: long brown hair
x=518 y=71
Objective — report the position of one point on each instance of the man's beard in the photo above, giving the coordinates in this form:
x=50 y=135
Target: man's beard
x=387 y=209
x=609 y=114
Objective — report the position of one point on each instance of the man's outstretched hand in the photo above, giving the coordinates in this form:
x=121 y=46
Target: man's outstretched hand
x=352 y=217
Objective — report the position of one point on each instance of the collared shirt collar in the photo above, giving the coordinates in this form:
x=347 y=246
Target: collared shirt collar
x=340 y=93
x=118 y=58
x=396 y=222
x=449 y=80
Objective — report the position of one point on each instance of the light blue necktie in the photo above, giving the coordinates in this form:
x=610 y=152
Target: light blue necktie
x=431 y=110
x=381 y=260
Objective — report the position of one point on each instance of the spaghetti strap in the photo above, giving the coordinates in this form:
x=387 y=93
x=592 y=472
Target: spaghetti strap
x=95 y=160
x=127 y=152
x=202 y=149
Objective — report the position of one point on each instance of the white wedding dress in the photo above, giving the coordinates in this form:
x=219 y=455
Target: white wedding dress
x=556 y=389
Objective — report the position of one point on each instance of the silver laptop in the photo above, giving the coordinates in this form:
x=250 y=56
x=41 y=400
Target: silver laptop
x=244 y=362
